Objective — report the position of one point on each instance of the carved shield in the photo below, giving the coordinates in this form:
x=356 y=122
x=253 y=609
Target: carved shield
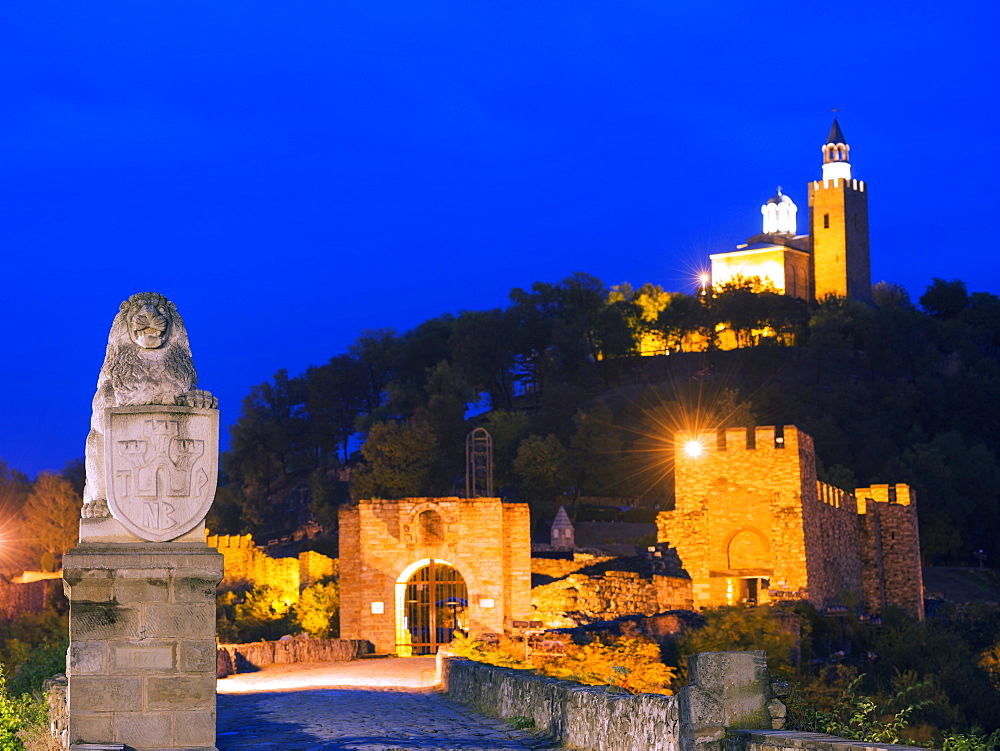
x=162 y=466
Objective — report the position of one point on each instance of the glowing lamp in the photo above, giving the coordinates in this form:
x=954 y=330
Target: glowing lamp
x=694 y=449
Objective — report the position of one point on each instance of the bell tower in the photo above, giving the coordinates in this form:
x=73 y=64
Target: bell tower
x=838 y=225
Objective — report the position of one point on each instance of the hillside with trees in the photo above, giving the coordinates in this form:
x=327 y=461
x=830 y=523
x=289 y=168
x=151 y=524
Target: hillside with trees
x=900 y=392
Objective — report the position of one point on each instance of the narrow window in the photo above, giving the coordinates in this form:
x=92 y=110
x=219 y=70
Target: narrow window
x=857 y=221
x=826 y=221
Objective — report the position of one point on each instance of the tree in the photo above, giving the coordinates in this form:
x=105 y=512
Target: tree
x=507 y=429
x=542 y=464
x=595 y=451
x=52 y=514
x=398 y=461
x=482 y=348
x=336 y=395
x=376 y=350
x=945 y=299
x=270 y=439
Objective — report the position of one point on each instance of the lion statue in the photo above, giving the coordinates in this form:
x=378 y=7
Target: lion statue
x=148 y=361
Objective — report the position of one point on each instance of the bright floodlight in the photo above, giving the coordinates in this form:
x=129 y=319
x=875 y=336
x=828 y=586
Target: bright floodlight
x=693 y=449
x=704 y=279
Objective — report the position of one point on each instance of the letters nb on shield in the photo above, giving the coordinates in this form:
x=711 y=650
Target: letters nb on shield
x=162 y=467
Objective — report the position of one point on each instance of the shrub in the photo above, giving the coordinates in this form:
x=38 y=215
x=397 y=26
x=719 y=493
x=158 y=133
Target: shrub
x=318 y=609
x=20 y=715
x=630 y=662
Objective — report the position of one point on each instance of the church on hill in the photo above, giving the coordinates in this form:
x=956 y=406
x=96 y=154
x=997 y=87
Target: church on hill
x=832 y=259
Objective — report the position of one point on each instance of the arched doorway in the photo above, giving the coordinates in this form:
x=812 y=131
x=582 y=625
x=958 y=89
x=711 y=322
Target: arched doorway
x=432 y=603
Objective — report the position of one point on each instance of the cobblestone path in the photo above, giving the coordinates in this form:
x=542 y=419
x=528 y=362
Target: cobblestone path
x=365 y=705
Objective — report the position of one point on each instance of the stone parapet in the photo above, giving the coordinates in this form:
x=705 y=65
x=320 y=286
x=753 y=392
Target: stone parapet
x=142 y=659
x=792 y=740
x=236 y=658
x=583 y=717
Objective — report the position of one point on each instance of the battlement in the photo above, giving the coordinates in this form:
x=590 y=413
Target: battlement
x=760 y=438
x=858 y=185
x=834 y=496
x=230 y=541
x=900 y=494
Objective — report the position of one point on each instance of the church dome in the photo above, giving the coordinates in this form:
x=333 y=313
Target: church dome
x=779 y=214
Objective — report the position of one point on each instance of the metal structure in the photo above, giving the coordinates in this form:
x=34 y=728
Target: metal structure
x=479 y=464
x=435 y=607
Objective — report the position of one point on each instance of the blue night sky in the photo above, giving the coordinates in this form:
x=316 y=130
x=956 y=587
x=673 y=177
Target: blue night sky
x=292 y=173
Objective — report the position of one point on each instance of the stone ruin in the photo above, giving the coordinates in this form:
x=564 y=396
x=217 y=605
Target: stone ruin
x=141 y=583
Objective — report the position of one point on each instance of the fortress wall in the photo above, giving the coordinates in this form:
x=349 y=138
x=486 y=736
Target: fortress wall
x=246 y=562
x=833 y=545
x=890 y=548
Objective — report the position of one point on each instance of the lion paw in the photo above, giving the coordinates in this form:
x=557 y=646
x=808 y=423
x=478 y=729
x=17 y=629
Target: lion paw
x=198 y=398
x=96 y=509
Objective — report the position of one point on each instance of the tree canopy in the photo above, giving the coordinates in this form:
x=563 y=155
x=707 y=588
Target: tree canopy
x=894 y=392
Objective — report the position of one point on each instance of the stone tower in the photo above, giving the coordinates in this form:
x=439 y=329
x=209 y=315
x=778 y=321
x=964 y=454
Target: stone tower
x=838 y=225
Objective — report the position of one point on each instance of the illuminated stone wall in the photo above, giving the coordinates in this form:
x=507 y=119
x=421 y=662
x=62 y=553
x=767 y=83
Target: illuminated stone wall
x=383 y=542
x=751 y=521
x=578 y=599
x=246 y=562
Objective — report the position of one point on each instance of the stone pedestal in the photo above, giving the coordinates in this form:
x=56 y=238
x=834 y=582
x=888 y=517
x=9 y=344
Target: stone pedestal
x=141 y=664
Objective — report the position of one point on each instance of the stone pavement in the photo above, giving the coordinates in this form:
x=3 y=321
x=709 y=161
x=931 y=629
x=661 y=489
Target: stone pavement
x=380 y=704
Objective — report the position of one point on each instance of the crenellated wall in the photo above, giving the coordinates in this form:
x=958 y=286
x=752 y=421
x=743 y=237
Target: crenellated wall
x=890 y=543
x=246 y=562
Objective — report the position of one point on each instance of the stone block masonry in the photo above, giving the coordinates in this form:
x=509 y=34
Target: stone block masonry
x=385 y=543
x=752 y=524
x=728 y=690
x=141 y=665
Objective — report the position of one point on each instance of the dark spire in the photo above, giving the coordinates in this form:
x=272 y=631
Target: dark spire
x=836 y=134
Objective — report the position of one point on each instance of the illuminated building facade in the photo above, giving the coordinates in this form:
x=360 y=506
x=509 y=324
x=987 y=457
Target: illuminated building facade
x=416 y=570
x=833 y=259
x=752 y=524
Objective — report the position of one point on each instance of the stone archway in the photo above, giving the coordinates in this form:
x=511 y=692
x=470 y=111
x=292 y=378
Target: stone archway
x=432 y=603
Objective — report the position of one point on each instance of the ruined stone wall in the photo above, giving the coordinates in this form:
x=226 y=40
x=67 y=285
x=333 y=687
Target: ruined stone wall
x=578 y=599
x=557 y=568
x=890 y=549
x=383 y=542
x=740 y=512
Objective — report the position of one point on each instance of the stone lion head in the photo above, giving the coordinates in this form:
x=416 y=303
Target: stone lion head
x=148 y=359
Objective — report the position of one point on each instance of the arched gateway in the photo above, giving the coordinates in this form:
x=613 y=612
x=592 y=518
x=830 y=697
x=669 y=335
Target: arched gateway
x=432 y=603
x=415 y=570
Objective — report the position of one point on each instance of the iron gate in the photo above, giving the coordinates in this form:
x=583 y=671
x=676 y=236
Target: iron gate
x=435 y=606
